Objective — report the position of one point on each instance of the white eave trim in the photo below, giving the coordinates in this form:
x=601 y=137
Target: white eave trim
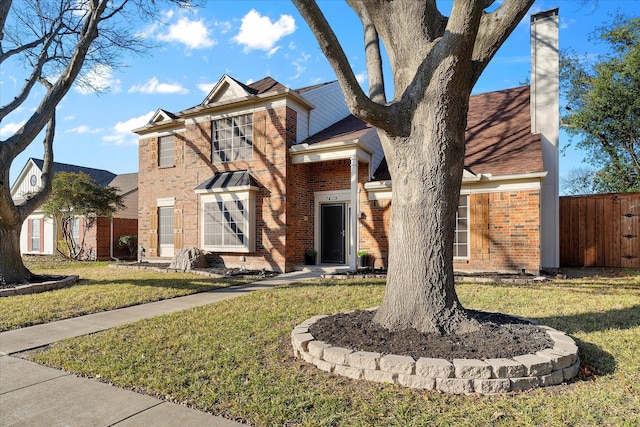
x=326 y=151
x=483 y=183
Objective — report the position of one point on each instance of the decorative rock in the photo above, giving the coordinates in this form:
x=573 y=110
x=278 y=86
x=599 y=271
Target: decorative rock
x=397 y=364
x=188 y=258
x=337 y=355
x=471 y=368
x=364 y=359
x=434 y=368
x=506 y=368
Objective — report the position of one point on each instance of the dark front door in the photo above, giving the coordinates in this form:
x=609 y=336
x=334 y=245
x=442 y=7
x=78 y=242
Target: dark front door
x=332 y=226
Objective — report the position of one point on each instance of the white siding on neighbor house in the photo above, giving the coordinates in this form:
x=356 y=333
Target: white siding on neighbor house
x=330 y=107
x=23 y=186
x=48 y=242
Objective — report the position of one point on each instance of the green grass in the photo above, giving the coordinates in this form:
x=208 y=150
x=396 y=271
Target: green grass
x=101 y=288
x=234 y=359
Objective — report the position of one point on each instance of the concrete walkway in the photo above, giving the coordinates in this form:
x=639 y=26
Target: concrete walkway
x=35 y=395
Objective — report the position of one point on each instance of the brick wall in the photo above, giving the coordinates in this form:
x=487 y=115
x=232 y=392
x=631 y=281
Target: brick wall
x=274 y=131
x=508 y=242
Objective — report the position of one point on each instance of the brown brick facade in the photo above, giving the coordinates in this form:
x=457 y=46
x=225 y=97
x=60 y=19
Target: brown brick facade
x=504 y=229
x=504 y=232
x=274 y=132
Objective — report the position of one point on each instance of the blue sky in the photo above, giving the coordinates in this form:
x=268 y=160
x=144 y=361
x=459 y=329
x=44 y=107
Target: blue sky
x=248 y=40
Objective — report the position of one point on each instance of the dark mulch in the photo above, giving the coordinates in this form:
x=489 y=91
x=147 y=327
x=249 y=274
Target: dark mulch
x=500 y=335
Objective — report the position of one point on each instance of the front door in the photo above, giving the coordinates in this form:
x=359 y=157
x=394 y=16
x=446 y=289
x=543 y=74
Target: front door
x=333 y=233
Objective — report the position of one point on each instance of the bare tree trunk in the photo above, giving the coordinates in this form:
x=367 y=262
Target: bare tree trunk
x=426 y=171
x=12 y=269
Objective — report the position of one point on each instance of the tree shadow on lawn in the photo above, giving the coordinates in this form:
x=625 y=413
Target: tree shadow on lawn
x=594 y=361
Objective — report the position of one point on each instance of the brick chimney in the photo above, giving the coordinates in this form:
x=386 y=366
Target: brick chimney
x=545 y=120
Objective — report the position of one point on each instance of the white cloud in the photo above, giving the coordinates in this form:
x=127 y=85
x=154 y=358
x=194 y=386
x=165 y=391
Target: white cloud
x=223 y=26
x=193 y=34
x=99 y=78
x=154 y=86
x=259 y=32
x=206 y=87
x=10 y=128
x=82 y=129
x=121 y=132
x=362 y=77
x=69 y=117
x=300 y=64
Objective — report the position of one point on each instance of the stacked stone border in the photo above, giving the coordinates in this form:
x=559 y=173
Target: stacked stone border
x=551 y=366
x=35 y=288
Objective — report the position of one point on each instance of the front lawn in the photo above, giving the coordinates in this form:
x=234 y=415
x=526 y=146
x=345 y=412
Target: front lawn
x=101 y=288
x=234 y=359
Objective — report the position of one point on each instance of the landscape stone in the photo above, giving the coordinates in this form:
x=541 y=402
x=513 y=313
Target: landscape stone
x=416 y=381
x=316 y=348
x=379 y=376
x=506 y=368
x=471 y=368
x=337 y=355
x=434 y=368
x=364 y=359
x=397 y=364
x=188 y=258
x=492 y=386
x=455 y=385
x=535 y=365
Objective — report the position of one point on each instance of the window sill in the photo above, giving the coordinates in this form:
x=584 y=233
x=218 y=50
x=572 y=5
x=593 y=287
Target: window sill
x=227 y=249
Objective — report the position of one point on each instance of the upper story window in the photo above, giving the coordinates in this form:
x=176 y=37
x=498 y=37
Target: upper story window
x=232 y=138
x=461 y=240
x=165 y=150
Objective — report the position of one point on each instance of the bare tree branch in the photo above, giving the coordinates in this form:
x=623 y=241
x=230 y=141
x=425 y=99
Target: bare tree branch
x=373 y=55
x=495 y=27
x=359 y=104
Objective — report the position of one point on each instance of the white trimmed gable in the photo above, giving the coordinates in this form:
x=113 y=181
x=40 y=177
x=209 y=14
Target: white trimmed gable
x=29 y=181
x=161 y=116
x=227 y=89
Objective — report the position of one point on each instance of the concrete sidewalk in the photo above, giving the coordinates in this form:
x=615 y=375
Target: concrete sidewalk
x=32 y=394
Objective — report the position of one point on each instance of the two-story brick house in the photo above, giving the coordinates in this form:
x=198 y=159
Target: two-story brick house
x=257 y=174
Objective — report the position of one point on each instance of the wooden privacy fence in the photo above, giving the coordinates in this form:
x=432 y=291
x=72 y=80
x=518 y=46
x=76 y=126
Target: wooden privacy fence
x=601 y=230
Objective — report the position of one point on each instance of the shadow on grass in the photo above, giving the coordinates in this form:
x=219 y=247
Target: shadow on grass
x=624 y=318
x=594 y=361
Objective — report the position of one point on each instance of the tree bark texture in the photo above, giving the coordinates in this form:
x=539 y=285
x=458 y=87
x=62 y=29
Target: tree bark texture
x=435 y=61
x=426 y=171
x=12 y=269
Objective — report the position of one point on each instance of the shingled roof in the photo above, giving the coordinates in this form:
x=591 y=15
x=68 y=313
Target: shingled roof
x=100 y=176
x=499 y=138
x=347 y=129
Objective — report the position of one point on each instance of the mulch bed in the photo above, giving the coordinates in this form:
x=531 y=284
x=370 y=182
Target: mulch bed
x=500 y=336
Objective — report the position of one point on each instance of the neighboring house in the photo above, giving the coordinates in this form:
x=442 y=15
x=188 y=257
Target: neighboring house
x=257 y=174
x=40 y=234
